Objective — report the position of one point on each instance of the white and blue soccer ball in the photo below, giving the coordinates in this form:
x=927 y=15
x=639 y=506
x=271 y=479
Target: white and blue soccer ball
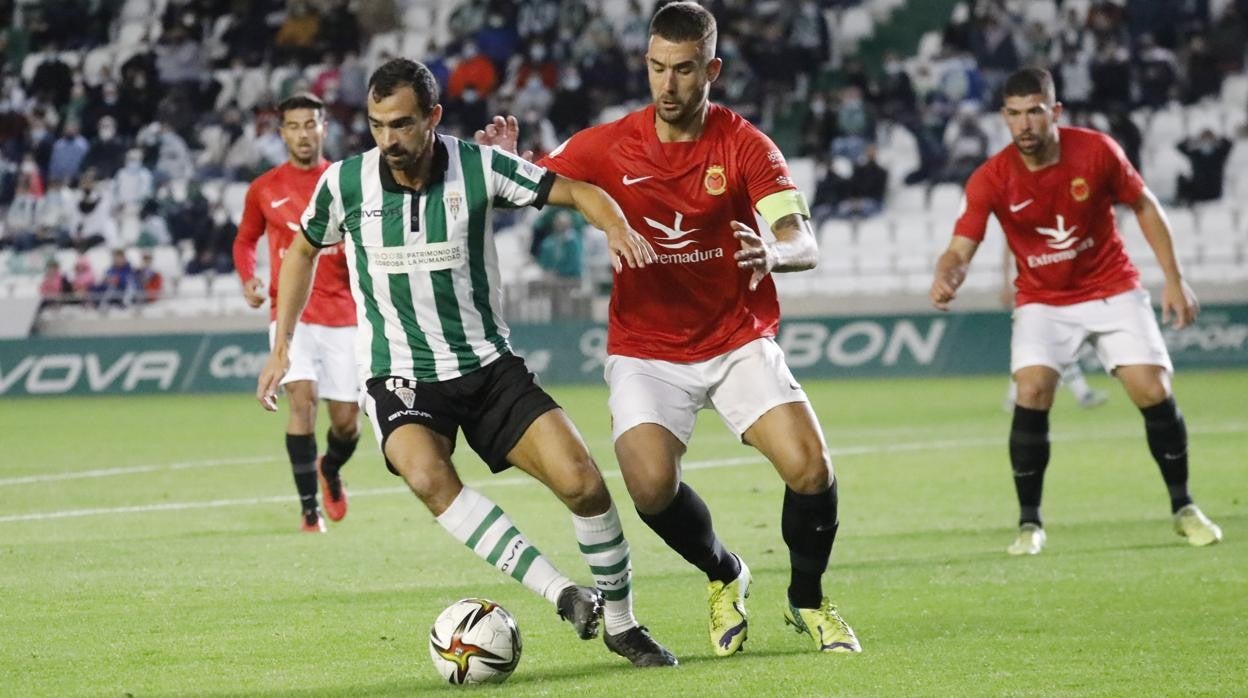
x=474 y=641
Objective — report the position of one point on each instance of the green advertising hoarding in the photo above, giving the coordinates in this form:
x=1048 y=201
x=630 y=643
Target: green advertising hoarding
x=829 y=347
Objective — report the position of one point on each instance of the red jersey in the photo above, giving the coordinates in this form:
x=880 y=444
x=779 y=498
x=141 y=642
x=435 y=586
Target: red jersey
x=695 y=303
x=275 y=201
x=1059 y=221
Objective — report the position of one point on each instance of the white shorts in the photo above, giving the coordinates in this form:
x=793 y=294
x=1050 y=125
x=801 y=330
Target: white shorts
x=1122 y=329
x=325 y=355
x=740 y=385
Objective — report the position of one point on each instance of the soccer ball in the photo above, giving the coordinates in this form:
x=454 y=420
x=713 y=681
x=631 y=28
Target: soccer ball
x=474 y=641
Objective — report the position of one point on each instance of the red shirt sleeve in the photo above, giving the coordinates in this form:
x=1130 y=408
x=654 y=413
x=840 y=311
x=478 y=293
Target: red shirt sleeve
x=762 y=164
x=1124 y=181
x=574 y=158
x=976 y=207
x=250 y=228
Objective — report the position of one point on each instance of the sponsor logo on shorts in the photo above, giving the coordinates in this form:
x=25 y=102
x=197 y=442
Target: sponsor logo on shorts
x=409 y=413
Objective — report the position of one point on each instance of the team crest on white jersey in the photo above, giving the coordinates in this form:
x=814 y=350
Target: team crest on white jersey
x=454 y=202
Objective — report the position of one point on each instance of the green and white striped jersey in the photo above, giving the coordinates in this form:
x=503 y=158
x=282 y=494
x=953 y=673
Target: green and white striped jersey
x=424 y=270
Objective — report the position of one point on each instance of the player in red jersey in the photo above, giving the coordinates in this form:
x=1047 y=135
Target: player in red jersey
x=1053 y=192
x=322 y=353
x=696 y=329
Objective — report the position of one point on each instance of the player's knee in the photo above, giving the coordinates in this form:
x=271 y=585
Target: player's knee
x=582 y=489
x=433 y=482
x=347 y=429
x=813 y=471
x=1034 y=395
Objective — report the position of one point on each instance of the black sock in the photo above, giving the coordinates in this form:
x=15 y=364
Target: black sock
x=302 y=451
x=1167 y=439
x=808 y=523
x=685 y=525
x=1029 y=456
x=337 y=452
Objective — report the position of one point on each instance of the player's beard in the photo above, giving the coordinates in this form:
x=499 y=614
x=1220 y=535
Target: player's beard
x=302 y=160
x=678 y=113
x=1031 y=144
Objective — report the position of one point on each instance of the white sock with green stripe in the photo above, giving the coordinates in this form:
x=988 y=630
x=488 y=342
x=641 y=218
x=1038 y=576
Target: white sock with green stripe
x=601 y=539
x=481 y=525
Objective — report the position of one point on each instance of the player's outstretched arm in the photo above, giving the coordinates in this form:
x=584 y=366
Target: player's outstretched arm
x=504 y=134
x=294 y=284
x=794 y=249
x=951 y=270
x=1177 y=298
x=604 y=213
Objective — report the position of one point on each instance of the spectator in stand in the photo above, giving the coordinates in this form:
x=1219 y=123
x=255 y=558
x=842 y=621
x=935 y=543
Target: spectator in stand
x=296 y=38
x=83 y=282
x=107 y=102
x=562 y=252
x=54 y=288
x=570 y=111
x=173 y=156
x=150 y=283
x=867 y=186
x=1128 y=135
x=966 y=145
x=536 y=62
x=58 y=214
x=1208 y=154
x=1204 y=76
x=1111 y=78
x=133 y=184
x=339 y=31
x=1157 y=72
x=107 y=152
x=474 y=70
x=68 y=152
x=896 y=96
x=96 y=222
x=119 y=286
x=214 y=252
x=22 y=218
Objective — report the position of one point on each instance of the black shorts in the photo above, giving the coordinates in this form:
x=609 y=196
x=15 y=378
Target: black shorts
x=494 y=406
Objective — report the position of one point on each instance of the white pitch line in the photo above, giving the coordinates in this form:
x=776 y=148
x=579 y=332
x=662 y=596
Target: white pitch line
x=935 y=445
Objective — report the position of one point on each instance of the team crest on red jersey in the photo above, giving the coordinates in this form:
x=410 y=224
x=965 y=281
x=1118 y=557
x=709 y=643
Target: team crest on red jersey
x=1079 y=189
x=715 y=180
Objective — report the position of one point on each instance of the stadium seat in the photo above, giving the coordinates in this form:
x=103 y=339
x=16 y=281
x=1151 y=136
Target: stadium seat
x=1235 y=91
x=853 y=25
x=233 y=196
x=944 y=201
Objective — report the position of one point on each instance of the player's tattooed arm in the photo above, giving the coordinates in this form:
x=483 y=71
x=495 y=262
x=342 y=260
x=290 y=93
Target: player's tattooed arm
x=794 y=248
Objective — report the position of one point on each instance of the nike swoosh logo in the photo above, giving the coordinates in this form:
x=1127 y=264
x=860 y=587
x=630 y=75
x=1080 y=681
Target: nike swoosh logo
x=629 y=181
x=1015 y=208
x=279 y=202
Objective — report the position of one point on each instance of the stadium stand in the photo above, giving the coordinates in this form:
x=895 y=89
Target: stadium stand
x=191 y=88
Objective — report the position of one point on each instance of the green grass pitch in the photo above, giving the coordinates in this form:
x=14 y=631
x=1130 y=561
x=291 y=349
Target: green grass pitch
x=148 y=546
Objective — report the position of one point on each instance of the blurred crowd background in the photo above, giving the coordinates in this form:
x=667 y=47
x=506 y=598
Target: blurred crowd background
x=129 y=129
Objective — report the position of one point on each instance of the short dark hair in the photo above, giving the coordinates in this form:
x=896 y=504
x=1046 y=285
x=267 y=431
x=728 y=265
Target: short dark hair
x=1030 y=81
x=301 y=100
x=401 y=72
x=684 y=21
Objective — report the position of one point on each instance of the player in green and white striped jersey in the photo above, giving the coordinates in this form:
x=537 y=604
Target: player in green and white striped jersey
x=415 y=214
